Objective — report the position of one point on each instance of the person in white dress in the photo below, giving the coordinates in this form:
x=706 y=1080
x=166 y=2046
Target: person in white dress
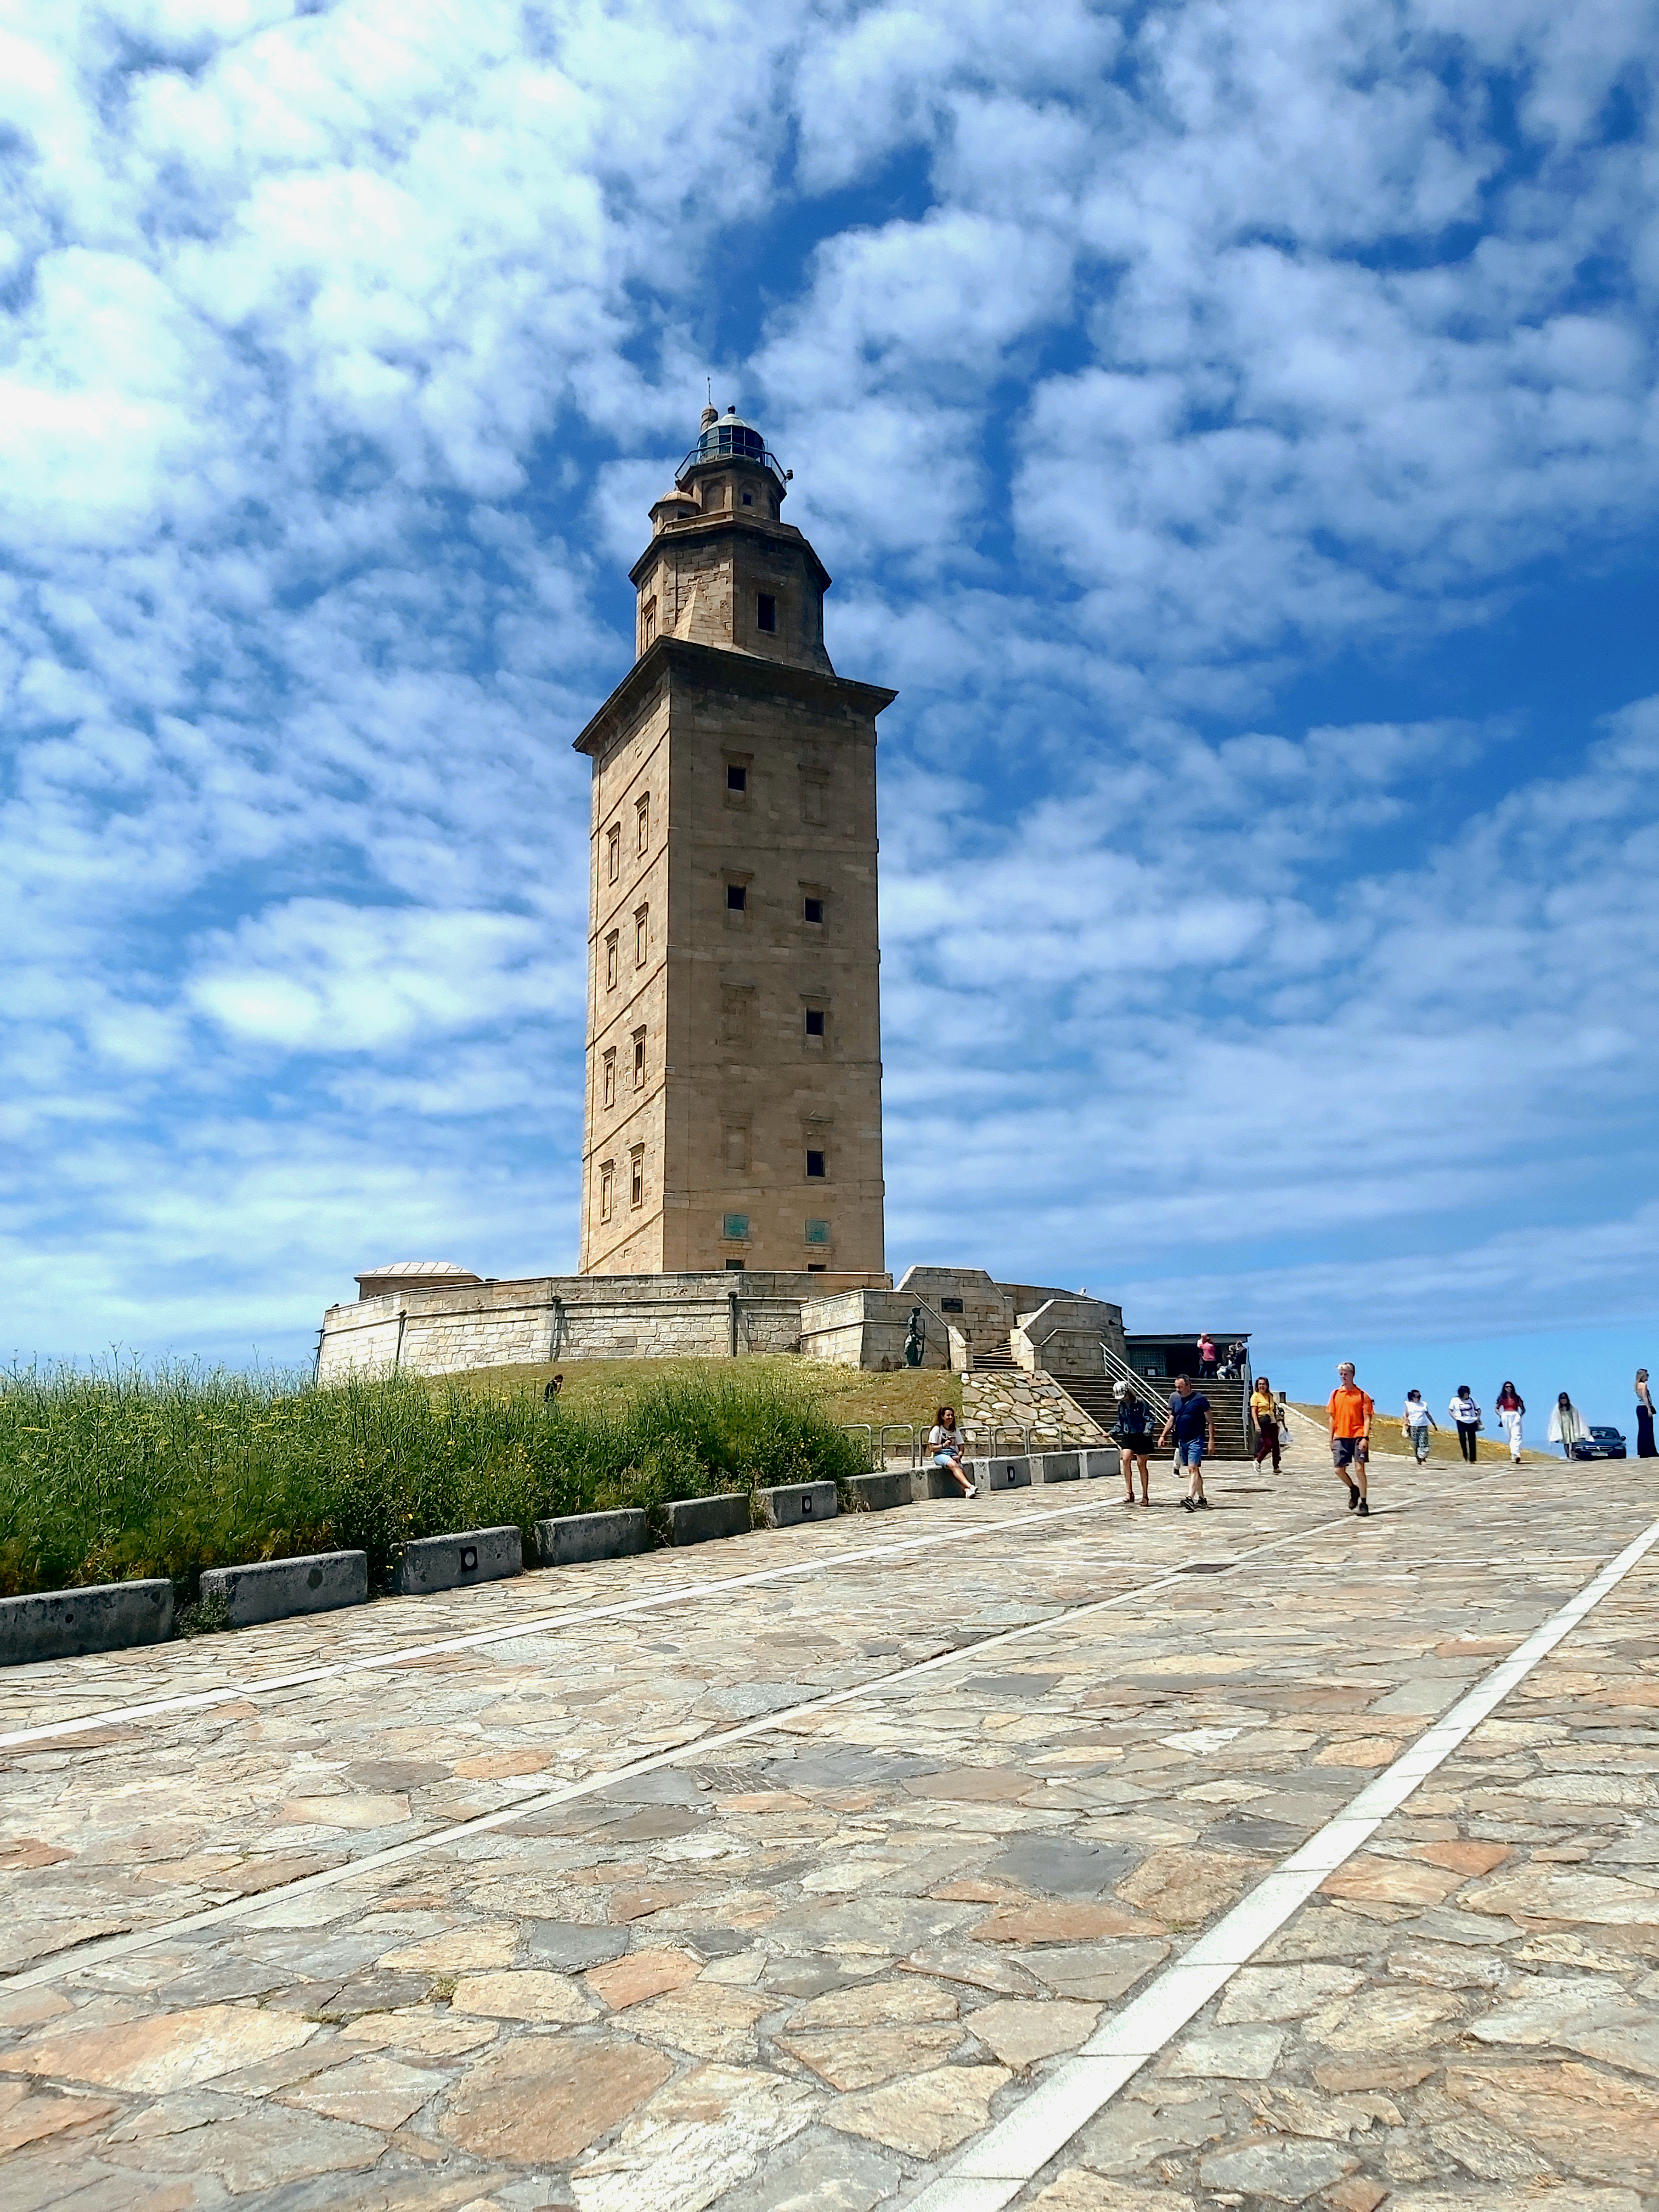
x=1568 y=1426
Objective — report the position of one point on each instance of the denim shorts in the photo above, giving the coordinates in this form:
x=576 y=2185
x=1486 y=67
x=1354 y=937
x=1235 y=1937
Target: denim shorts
x=1189 y=1452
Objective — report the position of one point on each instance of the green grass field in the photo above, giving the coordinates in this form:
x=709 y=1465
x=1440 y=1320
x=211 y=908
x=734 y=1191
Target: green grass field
x=118 y=1472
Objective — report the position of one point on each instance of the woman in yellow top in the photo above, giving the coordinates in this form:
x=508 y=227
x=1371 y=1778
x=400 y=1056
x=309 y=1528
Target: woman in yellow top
x=1264 y=1411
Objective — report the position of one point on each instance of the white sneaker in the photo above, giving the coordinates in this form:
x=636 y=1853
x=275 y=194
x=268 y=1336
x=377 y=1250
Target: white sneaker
x=972 y=1491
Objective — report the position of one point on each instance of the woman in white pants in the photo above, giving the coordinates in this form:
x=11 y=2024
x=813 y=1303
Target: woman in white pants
x=1511 y=1411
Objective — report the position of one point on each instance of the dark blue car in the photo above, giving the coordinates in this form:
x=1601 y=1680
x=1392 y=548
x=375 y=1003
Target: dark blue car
x=1600 y=1443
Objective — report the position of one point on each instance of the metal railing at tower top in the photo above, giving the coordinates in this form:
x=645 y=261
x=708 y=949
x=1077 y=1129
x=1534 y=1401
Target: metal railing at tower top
x=733 y=441
x=1120 y=1371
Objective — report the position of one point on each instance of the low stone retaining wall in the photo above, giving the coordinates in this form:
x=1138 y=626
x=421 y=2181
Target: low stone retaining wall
x=475 y=1555
x=696 y=1520
x=573 y=1539
x=274 y=1589
x=879 y=1493
x=790 y=1502
x=65 y=1623
x=1000 y=1474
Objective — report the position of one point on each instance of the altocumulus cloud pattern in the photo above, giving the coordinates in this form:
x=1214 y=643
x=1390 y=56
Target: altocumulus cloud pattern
x=1232 y=428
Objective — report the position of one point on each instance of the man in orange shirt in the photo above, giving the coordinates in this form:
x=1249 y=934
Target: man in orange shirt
x=1350 y=1412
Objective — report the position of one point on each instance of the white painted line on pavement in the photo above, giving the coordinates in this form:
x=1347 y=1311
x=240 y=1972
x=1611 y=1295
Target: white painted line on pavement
x=993 y=2171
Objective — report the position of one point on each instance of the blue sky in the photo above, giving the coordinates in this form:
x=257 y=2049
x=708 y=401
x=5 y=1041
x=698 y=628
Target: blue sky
x=1233 y=430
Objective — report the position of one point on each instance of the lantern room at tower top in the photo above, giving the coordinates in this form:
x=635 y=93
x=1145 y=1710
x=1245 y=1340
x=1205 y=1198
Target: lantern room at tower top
x=723 y=568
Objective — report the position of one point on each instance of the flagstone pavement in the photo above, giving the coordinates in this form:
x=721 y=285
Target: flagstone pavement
x=900 y=1808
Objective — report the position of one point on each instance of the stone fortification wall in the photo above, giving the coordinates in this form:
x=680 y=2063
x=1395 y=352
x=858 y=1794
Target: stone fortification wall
x=447 y=1329
x=443 y=1328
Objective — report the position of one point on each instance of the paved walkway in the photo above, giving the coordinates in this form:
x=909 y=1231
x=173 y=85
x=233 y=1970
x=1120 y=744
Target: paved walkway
x=841 y=1867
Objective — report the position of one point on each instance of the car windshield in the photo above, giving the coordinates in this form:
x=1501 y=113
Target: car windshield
x=1603 y=1433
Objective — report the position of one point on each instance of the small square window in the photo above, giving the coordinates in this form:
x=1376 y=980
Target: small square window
x=737 y=778
x=749 y=499
x=817 y=1266
x=766 y=612
x=735 y=1226
x=814 y=1021
x=815 y=1167
x=818 y=1232
x=734 y=1267
x=811 y=910
x=737 y=898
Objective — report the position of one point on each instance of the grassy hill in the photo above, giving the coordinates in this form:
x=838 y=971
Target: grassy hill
x=846 y=1393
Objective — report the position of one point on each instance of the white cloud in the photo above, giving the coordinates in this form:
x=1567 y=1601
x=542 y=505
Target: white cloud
x=1128 y=367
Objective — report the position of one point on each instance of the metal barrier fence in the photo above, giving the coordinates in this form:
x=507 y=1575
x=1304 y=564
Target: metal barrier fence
x=898 y=1428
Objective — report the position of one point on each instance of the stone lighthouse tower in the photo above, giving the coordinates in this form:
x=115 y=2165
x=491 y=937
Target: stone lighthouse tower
x=733 y=1101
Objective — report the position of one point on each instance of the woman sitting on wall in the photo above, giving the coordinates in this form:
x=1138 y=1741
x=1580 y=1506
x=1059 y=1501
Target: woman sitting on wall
x=944 y=1441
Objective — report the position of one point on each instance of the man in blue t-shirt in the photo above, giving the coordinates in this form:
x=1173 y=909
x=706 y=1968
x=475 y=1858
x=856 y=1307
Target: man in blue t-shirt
x=1191 y=1425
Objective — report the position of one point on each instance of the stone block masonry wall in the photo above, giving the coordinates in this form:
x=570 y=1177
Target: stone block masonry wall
x=992 y=1400
x=450 y=1329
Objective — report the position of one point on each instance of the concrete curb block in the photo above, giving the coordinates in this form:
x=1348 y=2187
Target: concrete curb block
x=1095 y=1463
x=696 y=1520
x=879 y=1493
x=275 y=1589
x=470 y=1555
x=1001 y=1473
x=932 y=1482
x=789 y=1504
x=103 y=1617
x=570 y=1540
x=1057 y=1466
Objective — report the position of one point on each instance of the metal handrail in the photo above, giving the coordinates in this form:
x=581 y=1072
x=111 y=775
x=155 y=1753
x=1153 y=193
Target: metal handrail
x=1120 y=1371
x=909 y=1429
x=852 y=1428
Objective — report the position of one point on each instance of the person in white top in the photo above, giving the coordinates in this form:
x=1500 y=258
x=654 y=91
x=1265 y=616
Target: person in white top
x=1467 y=1414
x=944 y=1441
x=1568 y=1426
x=1416 y=1423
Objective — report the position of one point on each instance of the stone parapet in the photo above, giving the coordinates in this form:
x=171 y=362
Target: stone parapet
x=447 y=1329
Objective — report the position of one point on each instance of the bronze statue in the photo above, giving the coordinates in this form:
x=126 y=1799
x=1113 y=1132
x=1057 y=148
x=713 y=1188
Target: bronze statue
x=915 y=1338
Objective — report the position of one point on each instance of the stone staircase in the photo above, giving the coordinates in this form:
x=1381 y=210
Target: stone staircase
x=1229 y=1403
